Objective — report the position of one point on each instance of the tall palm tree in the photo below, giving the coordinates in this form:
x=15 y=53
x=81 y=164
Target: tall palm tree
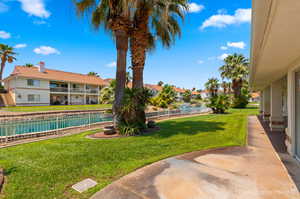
x=7 y=54
x=114 y=15
x=236 y=69
x=212 y=85
x=153 y=19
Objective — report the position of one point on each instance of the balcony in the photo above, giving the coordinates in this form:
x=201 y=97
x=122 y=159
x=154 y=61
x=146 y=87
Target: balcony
x=77 y=90
x=92 y=91
x=59 y=89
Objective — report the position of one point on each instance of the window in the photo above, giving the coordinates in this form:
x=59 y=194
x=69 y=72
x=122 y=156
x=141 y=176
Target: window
x=33 y=82
x=33 y=98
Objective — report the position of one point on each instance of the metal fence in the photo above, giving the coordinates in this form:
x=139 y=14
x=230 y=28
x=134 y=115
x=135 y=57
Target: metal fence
x=37 y=125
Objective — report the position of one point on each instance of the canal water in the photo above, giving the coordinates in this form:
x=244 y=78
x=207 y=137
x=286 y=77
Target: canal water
x=34 y=125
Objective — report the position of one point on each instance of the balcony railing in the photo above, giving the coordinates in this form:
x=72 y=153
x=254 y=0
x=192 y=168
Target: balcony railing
x=59 y=89
x=77 y=90
x=92 y=91
x=74 y=90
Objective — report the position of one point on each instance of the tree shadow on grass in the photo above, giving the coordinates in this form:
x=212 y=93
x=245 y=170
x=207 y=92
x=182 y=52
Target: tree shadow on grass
x=172 y=128
x=9 y=171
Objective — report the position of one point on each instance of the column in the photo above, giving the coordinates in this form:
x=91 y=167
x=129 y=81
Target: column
x=276 y=120
x=266 y=104
x=84 y=87
x=69 y=93
x=261 y=102
x=290 y=131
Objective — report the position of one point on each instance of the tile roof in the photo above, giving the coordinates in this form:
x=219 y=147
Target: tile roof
x=153 y=87
x=56 y=75
x=254 y=95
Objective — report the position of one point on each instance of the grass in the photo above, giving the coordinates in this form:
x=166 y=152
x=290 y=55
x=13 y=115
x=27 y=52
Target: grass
x=47 y=169
x=55 y=108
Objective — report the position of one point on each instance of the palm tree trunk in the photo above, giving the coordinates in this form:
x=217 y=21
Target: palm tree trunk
x=122 y=48
x=138 y=46
x=3 y=60
x=138 y=79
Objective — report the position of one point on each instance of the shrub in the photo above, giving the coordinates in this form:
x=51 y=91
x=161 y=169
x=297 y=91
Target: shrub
x=151 y=124
x=242 y=100
x=219 y=103
x=128 y=129
x=187 y=96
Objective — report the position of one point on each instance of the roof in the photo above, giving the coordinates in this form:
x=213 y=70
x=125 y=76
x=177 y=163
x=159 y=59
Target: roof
x=196 y=93
x=153 y=87
x=179 y=90
x=56 y=75
x=254 y=95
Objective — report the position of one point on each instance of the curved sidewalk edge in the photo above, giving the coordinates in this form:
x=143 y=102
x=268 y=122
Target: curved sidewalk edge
x=252 y=172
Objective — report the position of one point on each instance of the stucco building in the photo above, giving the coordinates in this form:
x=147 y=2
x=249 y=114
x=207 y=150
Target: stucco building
x=30 y=86
x=275 y=66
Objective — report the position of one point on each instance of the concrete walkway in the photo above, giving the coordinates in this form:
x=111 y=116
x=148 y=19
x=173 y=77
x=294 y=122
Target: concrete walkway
x=252 y=172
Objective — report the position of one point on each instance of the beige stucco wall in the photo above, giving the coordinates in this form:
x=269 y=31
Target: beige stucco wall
x=21 y=91
x=21 y=96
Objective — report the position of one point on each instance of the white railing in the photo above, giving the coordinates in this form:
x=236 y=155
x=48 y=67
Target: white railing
x=25 y=126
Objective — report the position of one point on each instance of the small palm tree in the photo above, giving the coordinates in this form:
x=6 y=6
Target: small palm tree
x=114 y=15
x=29 y=65
x=7 y=54
x=212 y=85
x=93 y=74
x=160 y=83
x=236 y=69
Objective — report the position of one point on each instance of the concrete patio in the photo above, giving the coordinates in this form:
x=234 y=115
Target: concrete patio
x=252 y=172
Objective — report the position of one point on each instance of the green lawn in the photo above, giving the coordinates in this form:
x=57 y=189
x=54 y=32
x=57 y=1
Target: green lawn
x=55 y=108
x=47 y=169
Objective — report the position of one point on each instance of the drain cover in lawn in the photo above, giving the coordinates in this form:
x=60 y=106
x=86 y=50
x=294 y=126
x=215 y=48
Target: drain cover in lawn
x=84 y=185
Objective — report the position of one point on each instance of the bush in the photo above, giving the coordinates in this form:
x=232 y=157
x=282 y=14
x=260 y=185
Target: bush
x=151 y=124
x=219 y=103
x=128 y=129
x=243 y=100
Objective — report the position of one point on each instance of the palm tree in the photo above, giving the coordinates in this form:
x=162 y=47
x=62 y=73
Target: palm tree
x=226 y=87
x=29 y=65
x=212 y=85
x=93 y=74
x=114 y=15
x=6 y=55
x=153 y=19
x=160 y=83
x=235 y=69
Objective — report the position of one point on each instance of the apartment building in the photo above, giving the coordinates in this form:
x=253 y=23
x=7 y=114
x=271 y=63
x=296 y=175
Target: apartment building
x=35 y=86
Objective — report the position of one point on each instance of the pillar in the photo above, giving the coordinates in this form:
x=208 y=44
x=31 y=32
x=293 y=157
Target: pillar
x=69 y=94
x=291 y=105
x=266 y=104
x=276 y=119
x=261 y=101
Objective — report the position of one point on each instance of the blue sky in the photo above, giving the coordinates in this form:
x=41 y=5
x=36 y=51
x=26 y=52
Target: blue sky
x=45 y=30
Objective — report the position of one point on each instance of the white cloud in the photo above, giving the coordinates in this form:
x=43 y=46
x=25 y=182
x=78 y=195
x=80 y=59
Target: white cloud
x=240 y=44
x=46 y=50
x=112 y=64
x=3 y=7
x=194 y=7
x=223 y=47
x=200 y=62
x=4 y=35
x=35 y=8
x=20 y=46
x=223 y=20
x=223 y=56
